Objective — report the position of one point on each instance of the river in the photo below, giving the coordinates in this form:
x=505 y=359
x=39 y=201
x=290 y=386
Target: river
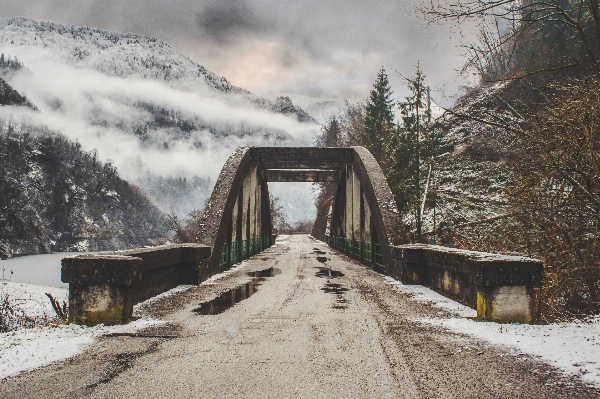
x=35 y=269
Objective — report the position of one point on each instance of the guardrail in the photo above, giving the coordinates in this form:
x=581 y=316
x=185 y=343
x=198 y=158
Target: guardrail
x=104 y=287
x=500 y=287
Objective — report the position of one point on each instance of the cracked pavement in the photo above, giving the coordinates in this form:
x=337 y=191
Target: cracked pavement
x=307 y=322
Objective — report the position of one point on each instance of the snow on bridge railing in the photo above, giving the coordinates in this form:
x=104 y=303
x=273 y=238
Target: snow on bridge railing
x=501 y=287
x=104 y=287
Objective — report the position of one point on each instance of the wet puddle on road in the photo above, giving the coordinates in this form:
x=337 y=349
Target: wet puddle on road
x=332 y=288
x=338 y=291
x=235 y=295
x=326 y=272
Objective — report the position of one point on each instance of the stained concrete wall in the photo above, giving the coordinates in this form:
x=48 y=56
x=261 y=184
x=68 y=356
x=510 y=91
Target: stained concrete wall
x=104 y=287
x=500 y=287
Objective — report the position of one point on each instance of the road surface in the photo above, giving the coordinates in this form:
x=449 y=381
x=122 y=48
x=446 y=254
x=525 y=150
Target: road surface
x=307 y=323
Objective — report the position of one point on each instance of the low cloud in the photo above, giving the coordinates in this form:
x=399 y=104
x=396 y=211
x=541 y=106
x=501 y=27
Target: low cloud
x=319 y=48
x=101 y=112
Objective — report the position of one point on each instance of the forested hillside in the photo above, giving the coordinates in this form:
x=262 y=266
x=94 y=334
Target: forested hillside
x=514 y=165
x=159 y=116
x=56 y=197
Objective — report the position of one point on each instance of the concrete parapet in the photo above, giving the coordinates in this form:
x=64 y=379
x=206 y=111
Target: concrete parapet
x=500 y=287
x=103 y=288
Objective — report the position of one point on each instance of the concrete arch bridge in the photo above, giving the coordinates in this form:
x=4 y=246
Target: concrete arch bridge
x=363 y=223
x=362 y=216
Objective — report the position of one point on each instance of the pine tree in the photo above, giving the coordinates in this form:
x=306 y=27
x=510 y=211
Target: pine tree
x=379 y=117
x=411 y=149
x=331 y=134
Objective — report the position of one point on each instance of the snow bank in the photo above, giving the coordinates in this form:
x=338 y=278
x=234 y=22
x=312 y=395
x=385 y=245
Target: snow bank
x=423 y=294
x=28 y=349
x=572 y=347
x=32 y=298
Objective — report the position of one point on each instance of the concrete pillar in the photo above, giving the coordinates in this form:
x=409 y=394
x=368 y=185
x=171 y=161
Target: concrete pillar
x=234 y=220
x=252 y=196
x=366 y=234
x=507 y=304
x=348 y=205
x=356 y=214
x=257 y=206
x=245 y=217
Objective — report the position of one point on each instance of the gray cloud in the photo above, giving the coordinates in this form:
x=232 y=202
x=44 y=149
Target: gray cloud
x=224 y=20
x=328 y=48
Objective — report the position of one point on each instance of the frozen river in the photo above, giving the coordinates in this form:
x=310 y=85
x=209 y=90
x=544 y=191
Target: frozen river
x=35 y=269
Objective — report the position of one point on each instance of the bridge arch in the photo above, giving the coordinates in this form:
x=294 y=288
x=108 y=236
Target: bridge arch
x=363 y=217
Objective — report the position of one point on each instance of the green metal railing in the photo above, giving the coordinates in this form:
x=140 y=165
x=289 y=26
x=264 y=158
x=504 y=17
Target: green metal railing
x=348 y=247
x=366 y=255
x=235 y=252
x=244 y=250
x=377 y=257
x=357 y=252
x=224 y=262
x=365 y=251
x=231 y=253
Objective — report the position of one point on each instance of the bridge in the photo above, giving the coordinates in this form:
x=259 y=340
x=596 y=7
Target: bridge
x=295 y=316
x=360 y=220
x=363 y=218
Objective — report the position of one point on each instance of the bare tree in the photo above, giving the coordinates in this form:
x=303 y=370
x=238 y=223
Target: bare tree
x=532 y=36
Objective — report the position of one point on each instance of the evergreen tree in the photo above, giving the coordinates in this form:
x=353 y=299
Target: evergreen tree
x=411 y=148
x=379 y=117
x=331 y=134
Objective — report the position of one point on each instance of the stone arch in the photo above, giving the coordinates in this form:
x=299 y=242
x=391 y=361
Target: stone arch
x=364 y=218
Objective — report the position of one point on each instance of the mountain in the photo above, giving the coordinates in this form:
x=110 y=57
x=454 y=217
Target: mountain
x=57 y=197
x=156 y=115
x=9 y=96
x=467 y=201
x=125 y=55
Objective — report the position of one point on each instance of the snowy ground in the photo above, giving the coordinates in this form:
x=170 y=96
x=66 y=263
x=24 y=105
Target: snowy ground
x=572 y=347
x=27 y=349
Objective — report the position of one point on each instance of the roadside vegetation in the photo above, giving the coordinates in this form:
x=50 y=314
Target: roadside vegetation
x=514 y=166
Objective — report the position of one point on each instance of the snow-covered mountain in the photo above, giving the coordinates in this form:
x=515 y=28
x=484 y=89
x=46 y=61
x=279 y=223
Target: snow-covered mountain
x=157 y=116
x=56 y=197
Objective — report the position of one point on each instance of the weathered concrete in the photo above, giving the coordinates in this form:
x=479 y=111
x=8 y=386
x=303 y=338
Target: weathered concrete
x=103 y=288
x=303 y=334
x=322 y=227
x=500 y=287
x=309 y=176
x=361 y=186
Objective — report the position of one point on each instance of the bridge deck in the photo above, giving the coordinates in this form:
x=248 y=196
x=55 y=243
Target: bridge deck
x=320 y=326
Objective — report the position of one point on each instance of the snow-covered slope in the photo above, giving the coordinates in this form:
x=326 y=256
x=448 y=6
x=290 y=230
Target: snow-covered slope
x=155 y=114
x=113 y=54
x=469 y=183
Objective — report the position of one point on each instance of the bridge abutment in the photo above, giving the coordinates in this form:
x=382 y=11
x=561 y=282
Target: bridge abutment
x=364 y=223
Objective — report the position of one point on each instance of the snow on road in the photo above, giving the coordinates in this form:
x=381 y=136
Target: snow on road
x=572 y=347
x=27 y=349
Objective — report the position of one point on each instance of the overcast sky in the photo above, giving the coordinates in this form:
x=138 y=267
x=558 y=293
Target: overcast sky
x=324 y=48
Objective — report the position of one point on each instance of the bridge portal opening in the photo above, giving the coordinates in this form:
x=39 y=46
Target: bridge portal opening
x=359 y=216
x=293 y=207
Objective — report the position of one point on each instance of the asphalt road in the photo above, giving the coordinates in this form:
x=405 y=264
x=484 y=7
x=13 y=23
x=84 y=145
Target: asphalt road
x=307 y=323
